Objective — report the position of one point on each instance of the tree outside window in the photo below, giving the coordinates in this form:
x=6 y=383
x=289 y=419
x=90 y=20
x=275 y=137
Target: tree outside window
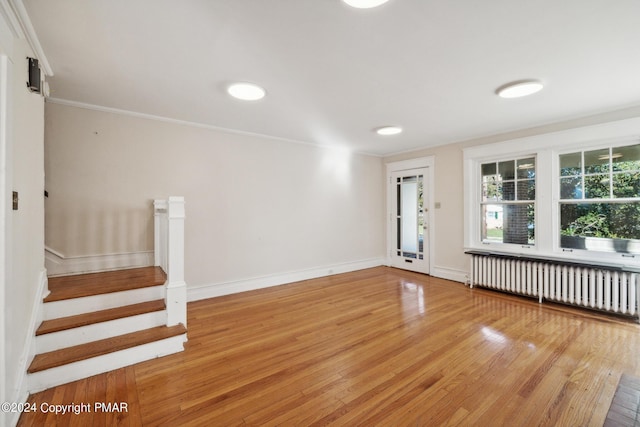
x=600 y=199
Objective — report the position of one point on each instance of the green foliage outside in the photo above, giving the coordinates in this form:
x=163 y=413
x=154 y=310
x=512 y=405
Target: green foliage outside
x=590 y=224
x=606 y=219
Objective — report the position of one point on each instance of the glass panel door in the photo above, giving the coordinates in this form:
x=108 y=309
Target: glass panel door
x=410 y=220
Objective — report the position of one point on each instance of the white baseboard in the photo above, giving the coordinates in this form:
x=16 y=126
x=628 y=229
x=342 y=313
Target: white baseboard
x=29 y=351
x=58 y=264
x=97 y=365
x=450 y=274
x=196 y=293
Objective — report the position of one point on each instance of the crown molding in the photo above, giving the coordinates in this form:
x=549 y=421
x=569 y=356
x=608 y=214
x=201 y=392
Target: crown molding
x=20 y=25
x=76 y=104
x=11 y=19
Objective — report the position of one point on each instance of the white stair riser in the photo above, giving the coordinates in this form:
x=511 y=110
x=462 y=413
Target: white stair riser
x=86 y=368
x=98 y=331
x=75 y=306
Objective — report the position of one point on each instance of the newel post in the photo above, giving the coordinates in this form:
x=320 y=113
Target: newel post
x=176 y=288
x=160 y=233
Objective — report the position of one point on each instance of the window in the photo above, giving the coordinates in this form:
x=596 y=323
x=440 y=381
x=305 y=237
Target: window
x=600 y=200
x=508 y=201
x=572 y=194
x=410 y=216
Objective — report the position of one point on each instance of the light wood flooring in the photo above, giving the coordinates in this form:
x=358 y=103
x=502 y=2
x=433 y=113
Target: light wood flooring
x=378 y=347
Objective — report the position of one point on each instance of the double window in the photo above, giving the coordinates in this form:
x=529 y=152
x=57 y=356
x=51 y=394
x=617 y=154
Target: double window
x=581 y=203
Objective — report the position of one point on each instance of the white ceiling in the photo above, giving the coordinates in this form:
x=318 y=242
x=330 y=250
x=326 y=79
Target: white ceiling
x=334 y=73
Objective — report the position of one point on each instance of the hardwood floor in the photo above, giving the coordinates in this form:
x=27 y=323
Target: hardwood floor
x=67 y=287
x=378 y=347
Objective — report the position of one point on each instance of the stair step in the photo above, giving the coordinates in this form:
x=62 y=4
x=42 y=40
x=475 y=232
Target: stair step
x=83 y=285
x=65 y=323
x=97 y=348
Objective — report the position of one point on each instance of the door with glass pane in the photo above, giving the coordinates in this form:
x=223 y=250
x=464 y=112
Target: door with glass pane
x=409 y=221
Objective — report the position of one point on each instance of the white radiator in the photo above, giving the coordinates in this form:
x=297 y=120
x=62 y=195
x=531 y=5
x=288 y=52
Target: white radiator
x=594 y=287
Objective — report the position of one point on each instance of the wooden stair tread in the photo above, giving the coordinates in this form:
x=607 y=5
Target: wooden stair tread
x=65 y=323
x=80 y=352
x=83 y=285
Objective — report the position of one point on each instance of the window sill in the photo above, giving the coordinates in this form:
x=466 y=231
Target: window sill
x=555 y=260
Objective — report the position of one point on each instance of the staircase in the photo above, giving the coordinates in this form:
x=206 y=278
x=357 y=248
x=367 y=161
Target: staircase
x=97 y=322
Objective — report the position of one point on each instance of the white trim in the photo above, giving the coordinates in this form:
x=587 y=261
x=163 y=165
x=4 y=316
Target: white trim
x=176 y=287
x=12 y=25
x=570 y=122
x=160 y=225
x=195 y=293
x=417 y=163
x=99 y=331
x=86 y=368
x=577 y=137
x=176 y=302
x=52 y=251
x=75 y=306
x=57 y=264
x=29 y=351
x=5 y=239
x=29 y=33
x=146 y=116
x=450 y=274
x=419 y=264
x=546 y=148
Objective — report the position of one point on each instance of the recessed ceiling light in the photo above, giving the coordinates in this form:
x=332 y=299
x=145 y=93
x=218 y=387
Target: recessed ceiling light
x=246 y=91
x=364 y=4
x=519 y=88
x=389 y=130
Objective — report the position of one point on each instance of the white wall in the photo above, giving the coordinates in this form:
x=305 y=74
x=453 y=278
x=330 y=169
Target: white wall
x=255 y=206
x=449 y=185
x=22 y=170
x=448 y=233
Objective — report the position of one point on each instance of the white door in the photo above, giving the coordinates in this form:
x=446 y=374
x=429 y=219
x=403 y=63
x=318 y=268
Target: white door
x=409 y=227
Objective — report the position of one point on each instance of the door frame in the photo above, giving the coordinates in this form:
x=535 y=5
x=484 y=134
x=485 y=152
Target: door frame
x=427 y=163
x=5 y=218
